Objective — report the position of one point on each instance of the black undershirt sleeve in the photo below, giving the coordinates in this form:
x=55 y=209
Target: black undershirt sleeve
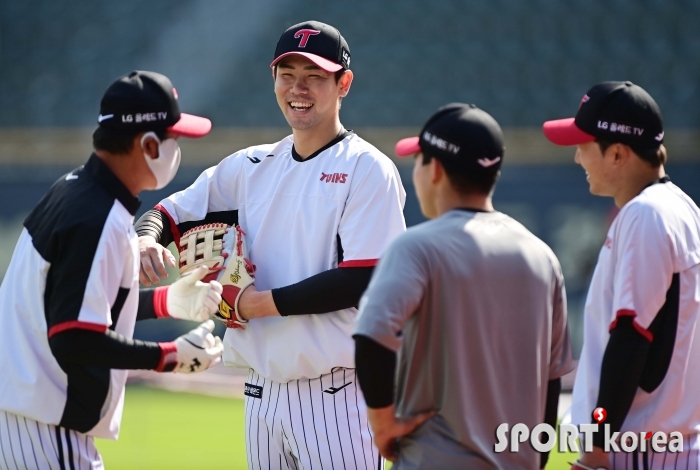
x=375 y=367
x=325 y=292
x=109 y=350
x=550 y=412
x=621 y=373
x=146 y=311
x=156 y=224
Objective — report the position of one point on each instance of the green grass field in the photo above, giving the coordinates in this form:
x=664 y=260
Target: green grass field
x=169 y=430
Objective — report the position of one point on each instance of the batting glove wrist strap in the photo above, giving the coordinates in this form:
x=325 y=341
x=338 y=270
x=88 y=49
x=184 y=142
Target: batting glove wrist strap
x=168 y=357
x=198 y=350
x=160 y=302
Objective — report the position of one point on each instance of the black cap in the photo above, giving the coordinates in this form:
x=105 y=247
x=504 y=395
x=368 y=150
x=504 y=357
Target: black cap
x=320 y=43
x=460 y=133
x=143 y=101
x=613 y=111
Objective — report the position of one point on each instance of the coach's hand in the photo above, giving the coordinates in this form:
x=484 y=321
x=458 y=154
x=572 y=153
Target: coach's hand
x=153 y=257
x=388 y=428
x=193 y=352
x=191 y=299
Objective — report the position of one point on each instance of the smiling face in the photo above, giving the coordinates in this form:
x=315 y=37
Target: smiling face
x=308 y=95
x=600 y=167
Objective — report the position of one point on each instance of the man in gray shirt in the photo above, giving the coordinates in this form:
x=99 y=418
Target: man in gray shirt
x=463 y=326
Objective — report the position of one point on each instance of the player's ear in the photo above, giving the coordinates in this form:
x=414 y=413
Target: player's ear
x=149 y=145
x=621 y=154
x=437 y=170
x=345 y=82
x=274 y=73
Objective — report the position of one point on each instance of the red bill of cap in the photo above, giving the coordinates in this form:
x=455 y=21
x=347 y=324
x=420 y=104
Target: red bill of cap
x=191 y=126
x=407 y=147
x=325 y=64
x=565 y=132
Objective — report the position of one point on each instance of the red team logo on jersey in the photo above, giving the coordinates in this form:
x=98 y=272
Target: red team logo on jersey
x=304 y=35
x=334 y=177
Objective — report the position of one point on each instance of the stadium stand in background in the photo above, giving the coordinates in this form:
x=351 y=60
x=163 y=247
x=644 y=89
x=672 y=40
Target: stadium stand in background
x=523 y=62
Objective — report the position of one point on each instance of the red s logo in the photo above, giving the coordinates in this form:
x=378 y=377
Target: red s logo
x=304 y=35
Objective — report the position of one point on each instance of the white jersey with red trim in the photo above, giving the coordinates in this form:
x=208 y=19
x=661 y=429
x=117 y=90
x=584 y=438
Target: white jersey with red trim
x=340 y=207
x=649 y=269
x=75 y=266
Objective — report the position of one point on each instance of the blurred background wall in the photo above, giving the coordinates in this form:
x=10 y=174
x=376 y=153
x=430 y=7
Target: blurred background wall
x=522 y=61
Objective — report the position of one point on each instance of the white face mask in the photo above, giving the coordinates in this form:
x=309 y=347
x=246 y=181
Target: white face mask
x=165 y=166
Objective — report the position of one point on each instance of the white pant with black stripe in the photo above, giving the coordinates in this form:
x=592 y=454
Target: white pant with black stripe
x=308 y=424
x=29 y=444
x=689 y=459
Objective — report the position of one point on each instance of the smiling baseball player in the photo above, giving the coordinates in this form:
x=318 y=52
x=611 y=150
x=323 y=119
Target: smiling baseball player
x=641 y=348
x=70 y=297
x=318 y=209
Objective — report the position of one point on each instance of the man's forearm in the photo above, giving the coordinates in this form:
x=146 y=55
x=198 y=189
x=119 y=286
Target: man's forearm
x=381 y=418
x=109 y=350
x=329 y=291
x=550 y=412
x=621 y=372
x=376 y=367
x=155 y=224
x=256 y=304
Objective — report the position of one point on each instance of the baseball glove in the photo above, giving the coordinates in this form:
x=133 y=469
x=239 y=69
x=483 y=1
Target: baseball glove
x=222 y=249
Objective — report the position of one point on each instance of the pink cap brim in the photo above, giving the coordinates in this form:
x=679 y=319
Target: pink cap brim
x=407 y=147
x=565 y=132
x=191 y=126
x=325 y=64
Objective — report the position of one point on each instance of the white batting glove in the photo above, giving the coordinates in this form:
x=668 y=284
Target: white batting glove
x=189 y=298
x=193 y=352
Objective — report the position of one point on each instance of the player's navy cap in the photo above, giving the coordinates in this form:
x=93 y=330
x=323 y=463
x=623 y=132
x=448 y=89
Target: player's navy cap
x=460 y=133
x=613 y=111
x=143 y=101
x=322 y=44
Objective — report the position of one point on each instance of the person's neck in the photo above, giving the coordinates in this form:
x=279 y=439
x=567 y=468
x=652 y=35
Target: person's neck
x=126 y=169
x=449 y=200
x=308 y=141
x=635 y=184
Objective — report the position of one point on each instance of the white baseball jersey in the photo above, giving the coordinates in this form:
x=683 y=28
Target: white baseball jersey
x=75 y=266
x=649 y=269
x=340 y=207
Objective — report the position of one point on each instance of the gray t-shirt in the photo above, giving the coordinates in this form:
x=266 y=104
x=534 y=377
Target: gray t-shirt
x=475 y=306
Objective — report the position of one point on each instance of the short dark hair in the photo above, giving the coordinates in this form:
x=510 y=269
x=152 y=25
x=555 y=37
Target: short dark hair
x=466 y=182
x=654 y=157
x=117 y=141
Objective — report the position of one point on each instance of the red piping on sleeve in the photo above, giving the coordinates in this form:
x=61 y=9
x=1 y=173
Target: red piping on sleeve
x=631 y=313
x=359 y=263
x=160 y=302
x=168 y=355
x=173 y=226
x=82 y=325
